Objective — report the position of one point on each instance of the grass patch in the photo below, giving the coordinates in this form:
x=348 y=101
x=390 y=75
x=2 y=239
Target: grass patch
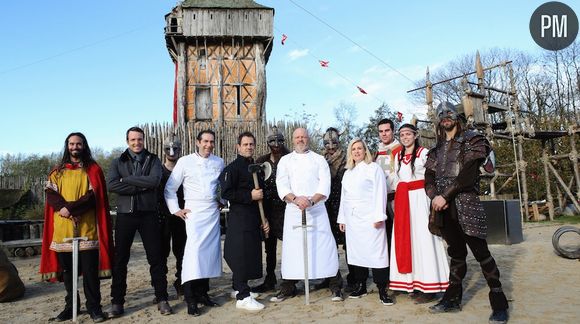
x=567 y=219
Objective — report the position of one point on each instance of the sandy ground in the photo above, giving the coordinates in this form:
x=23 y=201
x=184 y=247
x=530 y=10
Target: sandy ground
x=541 y=287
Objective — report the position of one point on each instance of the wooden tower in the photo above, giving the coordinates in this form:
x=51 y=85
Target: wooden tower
x=220 y=49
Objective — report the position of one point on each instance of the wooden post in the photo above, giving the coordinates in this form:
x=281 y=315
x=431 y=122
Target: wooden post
x=563 y=184
x=545 y=161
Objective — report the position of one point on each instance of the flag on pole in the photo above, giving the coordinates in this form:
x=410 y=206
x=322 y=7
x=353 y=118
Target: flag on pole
x=399 y=116
x=361 y=90
x=284 y=37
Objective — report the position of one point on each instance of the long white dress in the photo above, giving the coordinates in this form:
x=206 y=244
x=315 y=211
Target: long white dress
x=363 y=203
x=305 y=174
x=202 y=256
x=430 y=269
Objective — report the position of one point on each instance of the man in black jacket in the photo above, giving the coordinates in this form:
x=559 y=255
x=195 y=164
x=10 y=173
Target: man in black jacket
x=243 y=244
x=135 y=177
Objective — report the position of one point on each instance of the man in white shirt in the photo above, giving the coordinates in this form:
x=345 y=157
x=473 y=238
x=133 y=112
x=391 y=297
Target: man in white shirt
x=199 y=174
x=303 y=181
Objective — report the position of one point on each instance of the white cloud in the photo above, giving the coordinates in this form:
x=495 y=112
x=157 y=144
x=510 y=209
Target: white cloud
x=296 y=54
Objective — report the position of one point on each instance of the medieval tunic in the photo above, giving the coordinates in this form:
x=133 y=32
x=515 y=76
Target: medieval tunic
x=83 y=192
x=199 y=176
x=418 y=259
x=305 y=174
x=364 y=198
x=385 y=158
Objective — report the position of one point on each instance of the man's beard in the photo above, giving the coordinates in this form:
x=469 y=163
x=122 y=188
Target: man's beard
x=450 y=126
x=76 y=153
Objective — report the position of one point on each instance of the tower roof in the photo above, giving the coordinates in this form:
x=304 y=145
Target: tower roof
x=223 y=4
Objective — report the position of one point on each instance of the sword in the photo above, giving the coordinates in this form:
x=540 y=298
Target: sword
x=304 y=227
x=75 y=255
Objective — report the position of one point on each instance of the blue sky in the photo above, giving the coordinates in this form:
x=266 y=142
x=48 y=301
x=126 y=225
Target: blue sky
x=100 y=67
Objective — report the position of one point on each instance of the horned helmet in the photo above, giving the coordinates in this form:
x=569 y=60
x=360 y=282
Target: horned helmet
x=446 y=110
x=275 y=138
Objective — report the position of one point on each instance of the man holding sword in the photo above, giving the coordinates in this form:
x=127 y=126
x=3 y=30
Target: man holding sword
x=303 y=181
x=77 y=205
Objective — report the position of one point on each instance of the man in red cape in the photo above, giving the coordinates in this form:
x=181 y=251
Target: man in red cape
x=77 y=205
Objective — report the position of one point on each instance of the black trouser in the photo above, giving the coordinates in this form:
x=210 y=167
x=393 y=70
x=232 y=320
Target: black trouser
x=350 y=279
x=194 y=289
x=147 y=223
x=270 y=246
x=89 y=267
x=241 y=286
x=456 y=248
x=173 y=237
x=334 y=284
x=380 y=275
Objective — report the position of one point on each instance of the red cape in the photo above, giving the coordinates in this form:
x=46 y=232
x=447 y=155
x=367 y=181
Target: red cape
x=50 y=269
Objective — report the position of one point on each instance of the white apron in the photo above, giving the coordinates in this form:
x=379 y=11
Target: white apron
x=305 y=175
x=202 y=256
x=363 y=202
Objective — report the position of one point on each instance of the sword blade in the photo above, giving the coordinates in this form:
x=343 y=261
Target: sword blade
x=75 y=256
x=305 y=245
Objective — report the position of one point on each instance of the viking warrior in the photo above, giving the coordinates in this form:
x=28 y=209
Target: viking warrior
x=452 y=182
x=77 y=206
x=173 y=233
x=273 y=207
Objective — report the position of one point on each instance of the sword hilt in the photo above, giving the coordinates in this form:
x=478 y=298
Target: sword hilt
x=304 y=217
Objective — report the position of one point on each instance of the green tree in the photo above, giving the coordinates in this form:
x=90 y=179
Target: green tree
x=369 y=132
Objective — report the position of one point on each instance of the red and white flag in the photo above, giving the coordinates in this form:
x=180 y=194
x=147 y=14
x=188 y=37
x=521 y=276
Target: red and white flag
x=361 y=90
x=323 y=63
x=284 y=37
x=399 y=116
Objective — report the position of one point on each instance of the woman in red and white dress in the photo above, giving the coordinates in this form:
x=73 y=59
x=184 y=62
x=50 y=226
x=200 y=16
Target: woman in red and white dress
x=418 y=260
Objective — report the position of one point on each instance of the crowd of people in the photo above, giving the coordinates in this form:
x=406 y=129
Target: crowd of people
x=391 y=210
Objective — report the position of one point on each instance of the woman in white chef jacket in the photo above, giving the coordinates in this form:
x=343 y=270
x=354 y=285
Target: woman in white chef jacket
x=362 y=217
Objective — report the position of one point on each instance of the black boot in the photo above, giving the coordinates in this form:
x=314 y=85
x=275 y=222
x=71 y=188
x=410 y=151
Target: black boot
x=360 y=291
x=269 y=284
x=446 y=306
x=499 y=317
x=384 y=297
x=192 y=309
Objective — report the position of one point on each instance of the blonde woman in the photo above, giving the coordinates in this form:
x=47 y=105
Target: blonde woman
x=362 y=217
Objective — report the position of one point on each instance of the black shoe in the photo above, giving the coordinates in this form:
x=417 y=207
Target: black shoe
x=325 y=283
x=117 y=310
x=446 y=306
x=205 y=300
x=350 y=287
x=98 y=316
x=384 y=297
x=193 y=310
x=264 y=287
x=337 y=296
x=164 y=308
x=423 y=298
x=360 y=291
x=499 y=317
x=65 y=315
x=283 y=295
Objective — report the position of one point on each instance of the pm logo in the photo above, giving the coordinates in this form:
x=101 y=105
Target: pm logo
x=554 y=26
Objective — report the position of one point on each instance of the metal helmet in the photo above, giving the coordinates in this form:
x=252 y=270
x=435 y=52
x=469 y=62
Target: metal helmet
x=447 y=110
x=275 y=137
x=172 y=146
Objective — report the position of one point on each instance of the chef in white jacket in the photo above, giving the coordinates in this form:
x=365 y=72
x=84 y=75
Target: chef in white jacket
x=199 y=173
x=362 y=217
x=303 y=181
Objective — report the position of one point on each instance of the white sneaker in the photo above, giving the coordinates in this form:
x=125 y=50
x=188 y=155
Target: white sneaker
x=234 y=293
x=249 y=303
